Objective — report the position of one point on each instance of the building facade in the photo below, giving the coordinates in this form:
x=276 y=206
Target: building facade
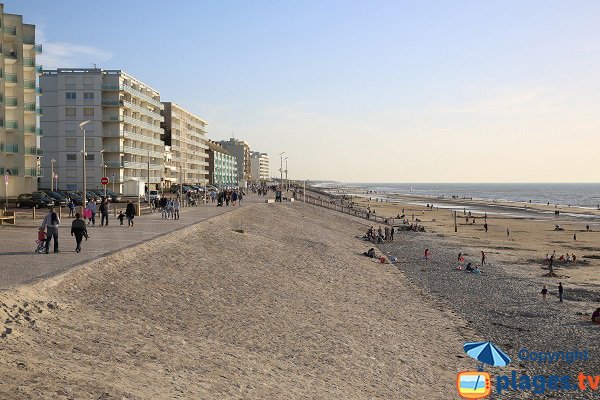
x=123 y=135
x=222 y=166
x=185 y=134
x=241 y=151
x=19 y=130
x=259 y=163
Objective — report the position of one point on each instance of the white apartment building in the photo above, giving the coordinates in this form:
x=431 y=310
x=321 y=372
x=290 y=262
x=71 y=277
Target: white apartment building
x=259 y=166
x=123 y=135
x=185 y=134
x=241 y=151
x=19 y=131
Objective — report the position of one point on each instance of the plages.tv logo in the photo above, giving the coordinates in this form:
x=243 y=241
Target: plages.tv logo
x=478 y=384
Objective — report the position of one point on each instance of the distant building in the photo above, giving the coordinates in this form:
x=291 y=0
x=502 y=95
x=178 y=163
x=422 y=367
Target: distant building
x=19 y=151
x=123 y=137
x=241 y=151
x=259 y=163
x=222 y=166
x=185 y=133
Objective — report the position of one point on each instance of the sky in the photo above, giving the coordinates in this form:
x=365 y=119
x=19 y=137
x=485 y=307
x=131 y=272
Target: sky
x=357 y=91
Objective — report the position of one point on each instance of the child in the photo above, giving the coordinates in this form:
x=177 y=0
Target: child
x=544 y=292
x=71 y=209
x=41 y=240
x=121 y=217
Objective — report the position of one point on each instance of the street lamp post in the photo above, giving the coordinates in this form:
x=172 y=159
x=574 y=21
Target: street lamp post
x=281 y=169
x=52 y=174
x=287 y=183
x=103 y=166
x=82 y=127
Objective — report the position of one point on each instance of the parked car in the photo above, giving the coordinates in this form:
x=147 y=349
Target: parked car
x=75 y=198
x=154 y=194
x=91 y=196
x=59 y=199
x=34 y=200
x=100 y=192
x=115 y=197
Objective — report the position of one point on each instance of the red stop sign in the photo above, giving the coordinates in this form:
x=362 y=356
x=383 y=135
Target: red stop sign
x=104 y=181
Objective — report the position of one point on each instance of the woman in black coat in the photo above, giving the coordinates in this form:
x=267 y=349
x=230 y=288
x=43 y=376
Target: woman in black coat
x=79 y=230
x=130 y=213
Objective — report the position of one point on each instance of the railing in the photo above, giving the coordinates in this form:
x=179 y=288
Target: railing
x=10 y=171
x=29 y=84
x=28 y=39
x=11 y=78
x=326 y=202
x=11 y=55
x=143 y=110
x=33 y=151
x=133 y=136
x=1 y=122
x=11 y=101
x=146 y=125
x=33 y=129
x=29 y=107
x=33 y=172
x=12 y=125
x=111 y=103
x=10 y=30
x=143 y=95
x=12 y=148
x=112 y=118
x=28 y=62
x=39 y=69
x=38 y=48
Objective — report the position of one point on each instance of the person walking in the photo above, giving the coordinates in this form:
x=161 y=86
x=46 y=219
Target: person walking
x=92 y=212
x=50 y=223
x=176 y=209
x=544 y=292
x=240 y=195
x=561 y=290
x=79 y=230
x=482 y=258
x=234 y=197
x=392 y=234
x=104 y=212
x=130 y=213
x=71 y=206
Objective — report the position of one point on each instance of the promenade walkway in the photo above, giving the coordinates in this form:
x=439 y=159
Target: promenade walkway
x=19 y=264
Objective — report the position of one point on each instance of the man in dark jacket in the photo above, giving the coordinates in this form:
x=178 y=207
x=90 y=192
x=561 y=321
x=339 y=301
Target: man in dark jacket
x=79 y=230
x=104 y=212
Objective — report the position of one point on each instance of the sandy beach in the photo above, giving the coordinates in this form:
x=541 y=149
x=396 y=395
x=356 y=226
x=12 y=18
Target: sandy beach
x=272 y=301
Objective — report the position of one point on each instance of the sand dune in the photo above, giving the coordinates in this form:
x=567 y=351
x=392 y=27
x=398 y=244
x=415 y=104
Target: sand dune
x=288 y=309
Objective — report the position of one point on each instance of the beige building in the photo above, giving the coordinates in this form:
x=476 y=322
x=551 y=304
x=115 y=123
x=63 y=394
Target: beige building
x=19 y=131
x=185 y=134
x=241 y=151
x=123 y=135
x=259 y=166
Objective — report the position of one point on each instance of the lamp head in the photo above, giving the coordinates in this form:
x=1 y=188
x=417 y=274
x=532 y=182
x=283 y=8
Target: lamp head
x=84 y=123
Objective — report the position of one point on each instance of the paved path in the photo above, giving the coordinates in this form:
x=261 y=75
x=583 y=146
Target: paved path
x=19 y=264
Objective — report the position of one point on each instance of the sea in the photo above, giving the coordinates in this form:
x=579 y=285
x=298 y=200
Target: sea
x=581 y=195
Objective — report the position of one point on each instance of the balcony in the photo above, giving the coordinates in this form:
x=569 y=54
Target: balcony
x=28 y=39
x=33 y=172
x=38 y=48
x=29 y=85
x=10 y=57
x=112 y=118
x=11 y=79
x=143 y=124
x=12 y=125
x=10 y=30
x=110 y=87
x=9 y=171
x=142 y=152
x=144 y=110
x=28 y=62
x=38 y=91
x=39 y=69
x=10 y=102
x=34 y=130
x=111 y=103
x=142 y=95
x=33 y=151
x=30 y=107
x=1 y=122
x=11 y=148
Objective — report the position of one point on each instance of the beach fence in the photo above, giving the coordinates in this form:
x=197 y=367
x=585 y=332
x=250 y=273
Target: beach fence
x=333 y=204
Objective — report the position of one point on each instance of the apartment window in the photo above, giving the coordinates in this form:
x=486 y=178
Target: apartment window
x=71 y=96
x=88 y=82
x=70 y=82
x=70 y=129
x=71 y=173
x=89 y=157
x=88 y=95
x=71 y=142
x=71 y=156
x=88 y=112
x=70 y=112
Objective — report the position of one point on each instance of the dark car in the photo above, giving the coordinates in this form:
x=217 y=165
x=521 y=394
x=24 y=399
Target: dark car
x=34 y=200
x=59 y=199
x=75 y=198
x=110 y=195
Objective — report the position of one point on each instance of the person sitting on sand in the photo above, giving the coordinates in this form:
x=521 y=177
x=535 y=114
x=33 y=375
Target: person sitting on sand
x=544 y=292
x=476 y=270
x=568 y=258
x=469 y=268
x=561 y=258
x=427 y=254
x=370 y=253
x=596 y=316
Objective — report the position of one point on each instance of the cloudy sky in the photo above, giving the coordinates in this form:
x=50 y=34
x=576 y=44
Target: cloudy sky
x=378 y=91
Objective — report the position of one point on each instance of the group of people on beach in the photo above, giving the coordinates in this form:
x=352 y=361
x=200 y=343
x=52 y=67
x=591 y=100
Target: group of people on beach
x=380 y=235
x=48 y=230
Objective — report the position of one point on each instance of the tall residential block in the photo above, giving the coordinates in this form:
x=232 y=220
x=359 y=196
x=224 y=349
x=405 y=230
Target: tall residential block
x=259 y=163
x=19 y=131
x=222 y=166
x=241 y=151
x=185 y=133
x=123 y=135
